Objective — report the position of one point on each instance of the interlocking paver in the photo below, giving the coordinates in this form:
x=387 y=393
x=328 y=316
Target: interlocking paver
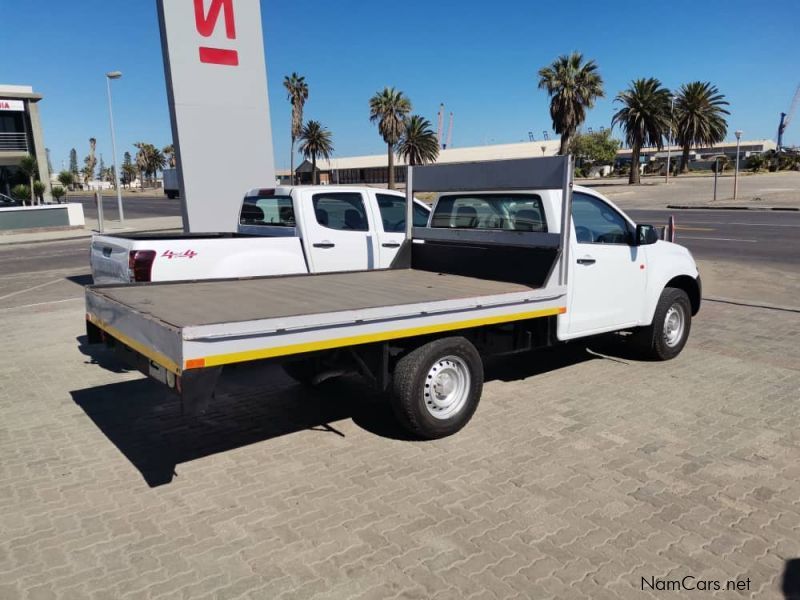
x=577 y=477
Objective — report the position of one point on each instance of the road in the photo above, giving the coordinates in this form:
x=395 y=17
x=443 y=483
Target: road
x=749 y=236
x=134 y=207
x=766 y=241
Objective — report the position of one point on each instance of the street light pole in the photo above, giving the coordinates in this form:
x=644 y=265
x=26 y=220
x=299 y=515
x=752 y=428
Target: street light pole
x=736 y=173
x=109 y=76
x=669 y=139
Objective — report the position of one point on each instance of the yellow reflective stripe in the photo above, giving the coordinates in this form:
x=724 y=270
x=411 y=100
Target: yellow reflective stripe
x=234 y=357
x=156 y=357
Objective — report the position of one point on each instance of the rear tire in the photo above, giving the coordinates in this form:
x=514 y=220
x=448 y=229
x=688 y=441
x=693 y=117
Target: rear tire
x=666 y=336
x=302 y=371
x=437 y=387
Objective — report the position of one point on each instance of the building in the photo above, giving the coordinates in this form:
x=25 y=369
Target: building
x=373 y=169
x=20 y=135
x=746 y=149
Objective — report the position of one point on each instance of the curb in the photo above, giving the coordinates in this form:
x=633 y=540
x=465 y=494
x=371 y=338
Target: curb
x=84 y=236
x=686 y=207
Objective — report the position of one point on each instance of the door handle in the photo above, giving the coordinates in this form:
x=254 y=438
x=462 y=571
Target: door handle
x=390 y=245
x=324 y=245
x=586 y=261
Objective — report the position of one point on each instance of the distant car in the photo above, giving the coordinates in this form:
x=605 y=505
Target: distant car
x=8 y=201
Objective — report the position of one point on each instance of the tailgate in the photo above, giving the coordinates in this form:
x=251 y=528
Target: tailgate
x=108 y=258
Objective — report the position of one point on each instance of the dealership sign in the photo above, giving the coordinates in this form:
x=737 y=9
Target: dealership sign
x=17 y=105
x=217 y=92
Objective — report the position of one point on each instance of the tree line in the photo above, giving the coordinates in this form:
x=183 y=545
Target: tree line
x=408 y=135
x=649 y=115
x=144 y=165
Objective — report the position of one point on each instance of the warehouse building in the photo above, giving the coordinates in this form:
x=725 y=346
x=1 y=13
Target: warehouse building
x=372 y=169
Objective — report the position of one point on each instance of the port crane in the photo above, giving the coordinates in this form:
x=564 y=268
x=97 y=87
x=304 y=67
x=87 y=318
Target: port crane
x=786 y=118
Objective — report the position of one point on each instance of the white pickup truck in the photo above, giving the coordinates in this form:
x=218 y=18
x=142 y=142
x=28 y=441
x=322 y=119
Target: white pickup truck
x=282 y=231
x=513 y=259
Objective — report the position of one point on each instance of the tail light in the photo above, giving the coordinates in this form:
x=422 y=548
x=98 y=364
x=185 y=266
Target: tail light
x=140 y=264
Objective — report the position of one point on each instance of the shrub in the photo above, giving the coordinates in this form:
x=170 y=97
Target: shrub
x=21 y=192
x=38 y=190
x=58 y=193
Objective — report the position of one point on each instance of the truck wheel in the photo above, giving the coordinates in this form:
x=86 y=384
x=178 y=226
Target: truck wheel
x=666 y=336
x=437 y=387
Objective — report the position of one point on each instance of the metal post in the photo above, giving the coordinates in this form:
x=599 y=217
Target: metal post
x=716 y=174
x=669 y=139
x=736 y=173
x=98 y=200
x=109 y=77
x=409 y=202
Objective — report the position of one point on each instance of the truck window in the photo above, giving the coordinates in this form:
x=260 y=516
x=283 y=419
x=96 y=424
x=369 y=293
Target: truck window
x=343 y=211
x=597 y=223
x=515 y=212
x=275 y=211
x=393 y=213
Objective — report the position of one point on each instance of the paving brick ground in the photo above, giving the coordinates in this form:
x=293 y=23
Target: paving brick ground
x=578 y=476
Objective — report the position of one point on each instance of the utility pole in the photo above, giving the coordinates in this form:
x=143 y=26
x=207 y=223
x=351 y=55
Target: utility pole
x=736 y=173
x=669 y=139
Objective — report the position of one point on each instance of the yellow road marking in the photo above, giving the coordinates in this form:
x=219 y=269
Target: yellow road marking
x=234 y=357
x=679 y=228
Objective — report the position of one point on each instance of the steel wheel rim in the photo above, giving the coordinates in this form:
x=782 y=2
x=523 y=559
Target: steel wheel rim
x=447 y=386
x=674 y=324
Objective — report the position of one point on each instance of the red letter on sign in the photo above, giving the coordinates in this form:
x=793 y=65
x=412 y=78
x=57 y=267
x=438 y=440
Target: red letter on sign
x=205 y=26
x=207 y=23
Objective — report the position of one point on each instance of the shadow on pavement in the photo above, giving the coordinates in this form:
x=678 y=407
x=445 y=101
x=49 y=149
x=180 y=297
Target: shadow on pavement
x=790 y=585
x=101 y=356
x=81 y=280
x=254 y=403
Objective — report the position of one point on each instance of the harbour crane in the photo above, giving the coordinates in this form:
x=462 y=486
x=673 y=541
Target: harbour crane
x=786 y=118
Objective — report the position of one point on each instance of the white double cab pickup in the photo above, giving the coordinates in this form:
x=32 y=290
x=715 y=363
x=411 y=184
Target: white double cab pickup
x=513 y=259
x=282 y=231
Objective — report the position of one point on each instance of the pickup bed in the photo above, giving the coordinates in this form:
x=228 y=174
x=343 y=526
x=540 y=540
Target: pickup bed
x=522 y=263
x=286 y=230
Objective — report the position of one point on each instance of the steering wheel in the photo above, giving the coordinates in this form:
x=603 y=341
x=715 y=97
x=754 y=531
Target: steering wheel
x=583 y=234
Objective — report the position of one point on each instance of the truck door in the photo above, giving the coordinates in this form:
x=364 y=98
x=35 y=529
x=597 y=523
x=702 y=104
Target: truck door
x=391 y=229
x=339 y=232
x=607 y=274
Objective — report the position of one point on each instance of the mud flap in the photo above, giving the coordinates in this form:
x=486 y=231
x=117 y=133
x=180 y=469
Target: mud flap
x=197 y=389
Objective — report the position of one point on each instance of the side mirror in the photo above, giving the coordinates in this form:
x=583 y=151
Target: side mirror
x=645 y=235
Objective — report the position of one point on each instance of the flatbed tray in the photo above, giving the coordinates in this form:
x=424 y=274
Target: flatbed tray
x=185 y=304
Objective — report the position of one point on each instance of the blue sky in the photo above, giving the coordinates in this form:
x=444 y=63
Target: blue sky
x=479 y=58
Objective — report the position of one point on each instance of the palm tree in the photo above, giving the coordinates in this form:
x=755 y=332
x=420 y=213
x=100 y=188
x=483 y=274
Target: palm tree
x=315 y=141
x=644 y=117
x=389 y=109
x=699 y=120
x=30 y=169
x=169 y=155
x=149 y=161
x=66 y=179
x=90 y=162
x=573 y=86
x=297 y=94
x=419 y=143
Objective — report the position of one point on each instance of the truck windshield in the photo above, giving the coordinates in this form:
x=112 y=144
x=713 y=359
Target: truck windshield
x=273 y=211
x=516 y=212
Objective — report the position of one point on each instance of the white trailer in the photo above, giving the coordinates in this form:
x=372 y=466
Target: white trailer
x=504 y=267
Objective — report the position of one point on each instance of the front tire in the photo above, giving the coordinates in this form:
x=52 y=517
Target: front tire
x=667 y=335
x=437 y=387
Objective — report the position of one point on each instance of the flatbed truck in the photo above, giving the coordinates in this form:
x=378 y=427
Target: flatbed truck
x=514 y=258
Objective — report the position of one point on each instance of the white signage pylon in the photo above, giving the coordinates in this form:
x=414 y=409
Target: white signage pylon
x=217 y=91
